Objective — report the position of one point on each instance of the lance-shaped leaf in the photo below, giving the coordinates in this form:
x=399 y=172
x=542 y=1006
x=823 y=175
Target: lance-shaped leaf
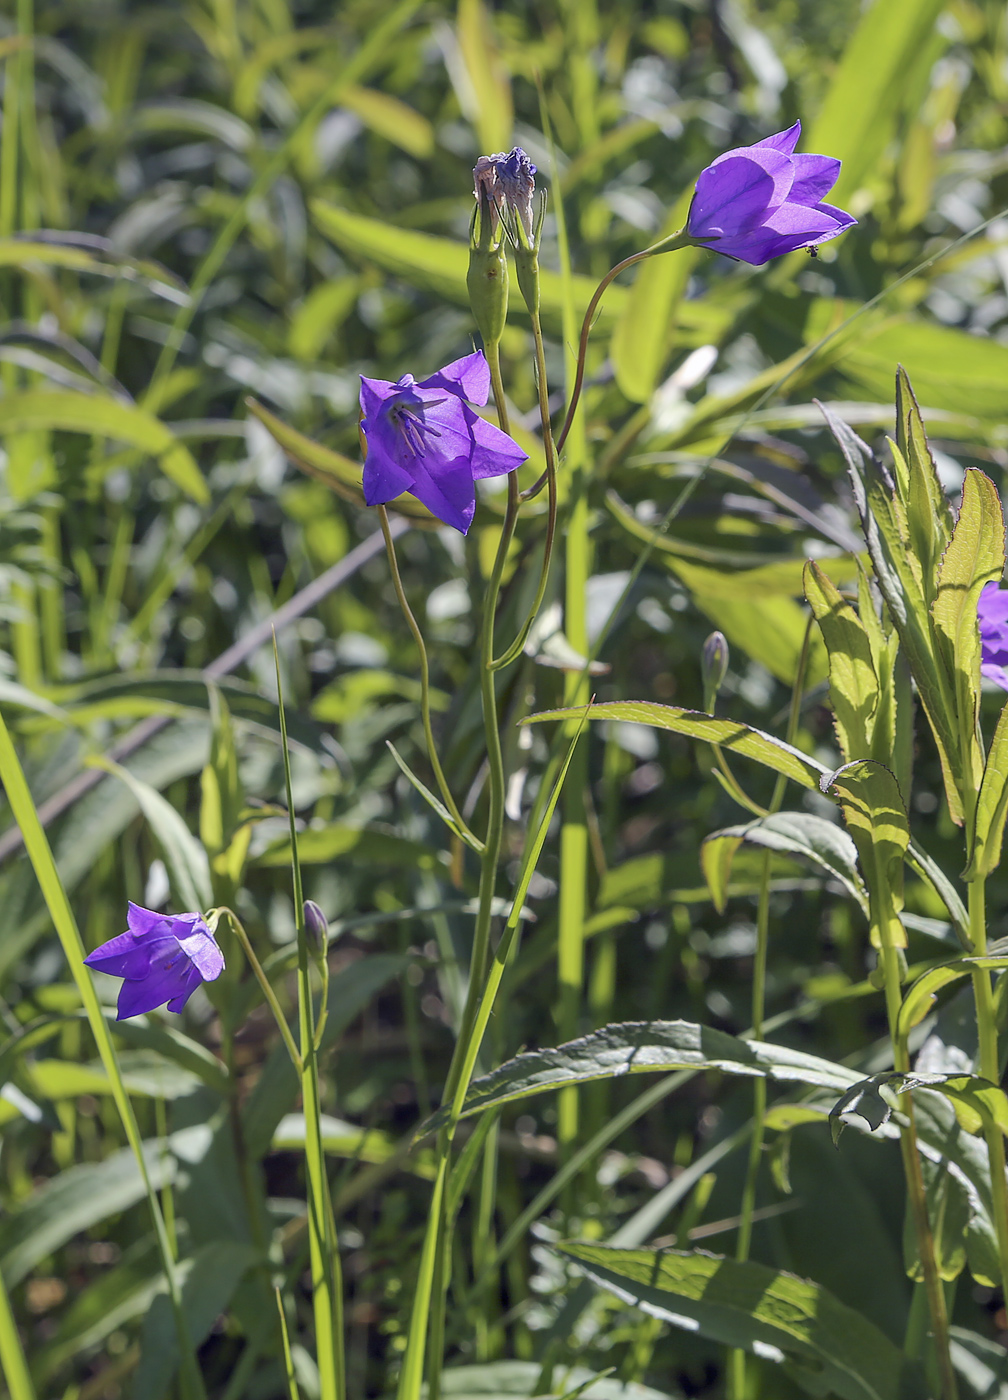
x=929 y=519
x=876 y=818
x=975 y=556
x=733 y=737
x=775 y=1314
x=898 y=576
x=854 y=684
x=977 y=1102
x=643 y=1047
x=920 y=998
x=992 y=804
x=792 y=834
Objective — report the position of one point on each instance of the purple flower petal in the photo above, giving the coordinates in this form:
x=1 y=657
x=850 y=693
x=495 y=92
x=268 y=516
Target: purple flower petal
x=494 y=453
x=844 y=220
x=782 y=140
x=733 y=194
x=814 y=177
x=468 y=377
x=142 y=921
x=450 y=494
x=191 y=982
x=125 y=955
x=384 y=479
x=201 y=949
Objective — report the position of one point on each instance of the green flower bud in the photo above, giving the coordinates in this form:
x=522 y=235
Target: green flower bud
x=713 y=666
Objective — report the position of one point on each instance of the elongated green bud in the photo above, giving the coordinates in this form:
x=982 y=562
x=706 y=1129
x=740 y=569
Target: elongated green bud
x=713 y=667
x=487 y=277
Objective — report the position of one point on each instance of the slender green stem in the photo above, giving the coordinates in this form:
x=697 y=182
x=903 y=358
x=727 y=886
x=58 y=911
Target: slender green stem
x=915 y=1183
x=489 y=861
x=292 y=1385
x=667 y=245
x=990 y=1068
x=549 y=476
x=264 y=983
x=12 y=1357
x=425 y=709
x=326 y=1274
x=737 y=1357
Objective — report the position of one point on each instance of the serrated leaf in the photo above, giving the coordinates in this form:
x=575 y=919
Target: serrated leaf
x=733 y=737
x=898 y=582
x=928 y=515
x=854 y=686
x=790 y=833
x=743 y=1304
x=975 y=557
x=920 y=997
x=644 y=1047
x=876 y=818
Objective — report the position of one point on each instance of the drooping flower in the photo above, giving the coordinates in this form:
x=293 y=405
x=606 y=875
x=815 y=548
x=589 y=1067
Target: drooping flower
x=424 y=438
x=161 y=957
x=759 y=202
x=992 y=615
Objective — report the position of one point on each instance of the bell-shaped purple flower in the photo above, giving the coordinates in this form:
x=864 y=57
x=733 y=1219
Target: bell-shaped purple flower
x=759 y=202
x=161 y=957
x=992 y=615
x=424 y=438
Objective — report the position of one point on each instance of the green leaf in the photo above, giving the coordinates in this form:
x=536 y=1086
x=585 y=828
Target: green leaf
x=490 y=86
x=876 y=818
x=319 y=845
x=644 y=1047
x=919 y=999
x=733 y=737
x=432 y=799
x=770 y=629
x=640 y=341
x=53 y=248
x=977 y=1102
x=790 y=833
x=952 y=369
x=184 y=855
x=518 y=1380
x=209 y=1280
x=898 y=578
x=975 y=557
x=775 y=1314
x=928 y=514
x=854 y=687
x=66 y=411
x=856 y=118
x=992 y=805
x=78 y=1198
x=387 y=116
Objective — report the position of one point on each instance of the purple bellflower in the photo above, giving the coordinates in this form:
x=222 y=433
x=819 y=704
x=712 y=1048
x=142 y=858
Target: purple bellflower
x=161 y=957
x=992 y=615
x=516 y=180
x=424 y=438
x=759 y=202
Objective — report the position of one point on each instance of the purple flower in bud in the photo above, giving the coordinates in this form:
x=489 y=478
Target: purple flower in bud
x=516 y=178
x=424 y=438
x=992 y=615
x=759 y=202
x=161 y=957
x=316 y=925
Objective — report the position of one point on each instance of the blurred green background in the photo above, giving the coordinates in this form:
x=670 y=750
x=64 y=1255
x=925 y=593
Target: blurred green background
x=267 y=199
